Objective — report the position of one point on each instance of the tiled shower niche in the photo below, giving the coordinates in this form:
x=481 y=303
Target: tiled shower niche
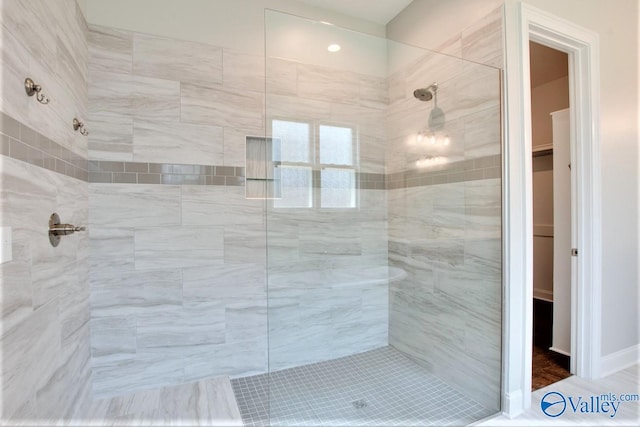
x=263 y=179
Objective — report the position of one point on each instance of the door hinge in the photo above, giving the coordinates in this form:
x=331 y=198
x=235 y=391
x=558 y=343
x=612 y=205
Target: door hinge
x=574 y=252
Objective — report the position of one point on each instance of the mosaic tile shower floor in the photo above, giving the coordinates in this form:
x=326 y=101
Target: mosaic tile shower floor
x=376 y=388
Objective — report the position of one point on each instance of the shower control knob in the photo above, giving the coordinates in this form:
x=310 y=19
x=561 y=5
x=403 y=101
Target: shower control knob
x=65 y=229
x=57 y=230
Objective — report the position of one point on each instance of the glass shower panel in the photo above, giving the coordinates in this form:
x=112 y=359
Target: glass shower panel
x=384 y=250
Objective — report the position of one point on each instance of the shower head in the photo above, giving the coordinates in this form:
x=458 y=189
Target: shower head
x=436 y=117
x=426 y=94
x=423 y=94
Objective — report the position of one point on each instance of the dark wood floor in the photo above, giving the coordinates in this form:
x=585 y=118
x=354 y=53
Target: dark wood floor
x=548 y=368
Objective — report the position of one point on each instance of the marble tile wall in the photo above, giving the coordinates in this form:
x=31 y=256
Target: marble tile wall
x=328 y=282
x=444 y=214
x=179 y=270
x=320 y=307
x=44 y=341
x=315 y=94
x=21 y=142
x=45 y=41
x=204 y=403
x=178 y=289
x=160 y=100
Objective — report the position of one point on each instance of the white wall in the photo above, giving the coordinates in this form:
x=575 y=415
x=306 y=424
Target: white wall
x=619 y=142
x=543 y=228
x=237 y=24
x=545 y=99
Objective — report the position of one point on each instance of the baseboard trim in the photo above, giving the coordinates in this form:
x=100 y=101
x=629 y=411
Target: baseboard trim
x=513 y=404
x=619 y=360
x=543 y=295
x=561 y=357
x=562 y=352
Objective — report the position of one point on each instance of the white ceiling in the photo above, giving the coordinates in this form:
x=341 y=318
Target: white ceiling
x=378 y=11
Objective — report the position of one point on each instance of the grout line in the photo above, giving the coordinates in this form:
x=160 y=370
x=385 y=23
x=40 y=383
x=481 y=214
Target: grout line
x=391 y=386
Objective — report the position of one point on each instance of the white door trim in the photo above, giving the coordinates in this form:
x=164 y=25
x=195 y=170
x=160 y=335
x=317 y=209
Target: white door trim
x=524 y=23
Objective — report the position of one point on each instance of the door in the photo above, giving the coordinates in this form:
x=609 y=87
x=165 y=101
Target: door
x=561 y=341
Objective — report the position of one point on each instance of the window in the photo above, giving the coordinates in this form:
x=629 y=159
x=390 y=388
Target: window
x=307 y=148
x=338 y=188
x=297 y=184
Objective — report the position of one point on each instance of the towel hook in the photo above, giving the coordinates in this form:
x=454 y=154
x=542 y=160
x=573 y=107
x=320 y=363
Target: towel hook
x=79 y=126
x=35 y=89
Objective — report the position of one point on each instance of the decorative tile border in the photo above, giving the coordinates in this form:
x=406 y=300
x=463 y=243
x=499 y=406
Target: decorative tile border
x=372 y=181
x=468 y=170
x=179 y=174
x=20 y=142
x=164 y=173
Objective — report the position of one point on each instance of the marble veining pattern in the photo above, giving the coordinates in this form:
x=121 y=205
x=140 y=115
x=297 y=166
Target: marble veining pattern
x=445 y=219
x=169 y=281
x=110 y=49
x=214 y=281
x=151 y=79
x=243 y=71
x=327 y=84
x=210 y=278
x=224 y=274
x=172 y=59
x=190 y=247
x=111 y=137
x=203 y=403
x=221 y=106
x=55 y=56
x=45 y=341
x=155 y=141
x=132 y=95
x=49 y=314
x=328 y=283
x=482 y=42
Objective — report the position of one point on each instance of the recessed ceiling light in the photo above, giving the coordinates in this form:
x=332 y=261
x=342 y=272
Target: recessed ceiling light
x=333 y=47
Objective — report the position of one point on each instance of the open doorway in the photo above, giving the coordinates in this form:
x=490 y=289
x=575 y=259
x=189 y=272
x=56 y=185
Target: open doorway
x=551 y=177
x=524 y=23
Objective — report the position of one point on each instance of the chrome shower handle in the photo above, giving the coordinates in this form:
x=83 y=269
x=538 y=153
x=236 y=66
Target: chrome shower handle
x=65 y=229
x=57 y=230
